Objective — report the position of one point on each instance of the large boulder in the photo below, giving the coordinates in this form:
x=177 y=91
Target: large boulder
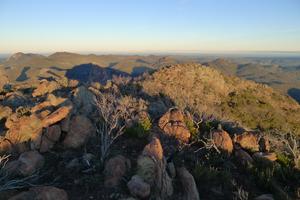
x=57 y=115
x=138 y=187
x=42 y=193
x=14 y=99
x=115 y=169
x=173 y=124
x=190 y=191
x=222 y=140
x=45 y=87
x=152 y=169
x=81 y=129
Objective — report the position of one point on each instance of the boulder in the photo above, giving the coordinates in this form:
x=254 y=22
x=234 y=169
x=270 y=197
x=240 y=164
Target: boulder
x=222 y=140
x=173 y=124
x=151 y=167
x=50 y=137
x=45 y=87
x=81 y=129
x=248 y=141
x=190 y=191
x=72 y=83
x=42 y=193
x=57 y=116
x=27 y=164
x=138 y=187
x=154 y=149
x=115 y=169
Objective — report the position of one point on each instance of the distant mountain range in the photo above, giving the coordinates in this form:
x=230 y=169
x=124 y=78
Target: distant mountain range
x=281 y=73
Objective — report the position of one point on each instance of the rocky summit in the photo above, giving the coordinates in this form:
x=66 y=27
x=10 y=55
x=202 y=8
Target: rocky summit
x=184 y=131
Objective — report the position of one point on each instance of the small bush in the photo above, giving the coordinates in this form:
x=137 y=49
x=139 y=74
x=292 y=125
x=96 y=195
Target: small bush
x=191 y=127
x=139 y=129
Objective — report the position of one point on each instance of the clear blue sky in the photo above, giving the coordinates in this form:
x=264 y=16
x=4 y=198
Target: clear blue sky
x=149 y=25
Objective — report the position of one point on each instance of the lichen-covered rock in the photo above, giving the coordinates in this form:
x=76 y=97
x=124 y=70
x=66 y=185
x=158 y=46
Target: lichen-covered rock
x=115 y=169
x=222 y=140
x=42 y=193
x=57 y=115
x=138 y=187
x=81 y=129
x=172 y=123
x=190 y=191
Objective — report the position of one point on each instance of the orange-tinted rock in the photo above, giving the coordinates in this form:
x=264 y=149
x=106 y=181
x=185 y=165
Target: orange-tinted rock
x=154 y=149
x=222 y=140
x=57 y=116
x=5 y=145
x=115 y=169
x=248 y=141
x=81 y=129
x=24 y=129
x=172 y=123
x=45 y=87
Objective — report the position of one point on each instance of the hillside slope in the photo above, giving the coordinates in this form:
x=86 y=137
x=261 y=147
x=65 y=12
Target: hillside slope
x=206 y=90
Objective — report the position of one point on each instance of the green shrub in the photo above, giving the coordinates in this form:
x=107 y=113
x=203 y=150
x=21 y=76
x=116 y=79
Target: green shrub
x=191 y=127
x=139 y=129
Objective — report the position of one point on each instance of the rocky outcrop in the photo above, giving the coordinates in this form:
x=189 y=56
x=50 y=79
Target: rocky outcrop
x=5 y=112
x=51 y=100
x=42 y=193
x=115 y=169
x=45 y=87
x=190 y=191
x=223 y=141
x=57 y=116
x=138 y=187
x=80 y=130
x=172 y=123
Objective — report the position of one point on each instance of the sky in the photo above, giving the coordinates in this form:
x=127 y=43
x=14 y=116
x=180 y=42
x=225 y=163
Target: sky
x=149 y=25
